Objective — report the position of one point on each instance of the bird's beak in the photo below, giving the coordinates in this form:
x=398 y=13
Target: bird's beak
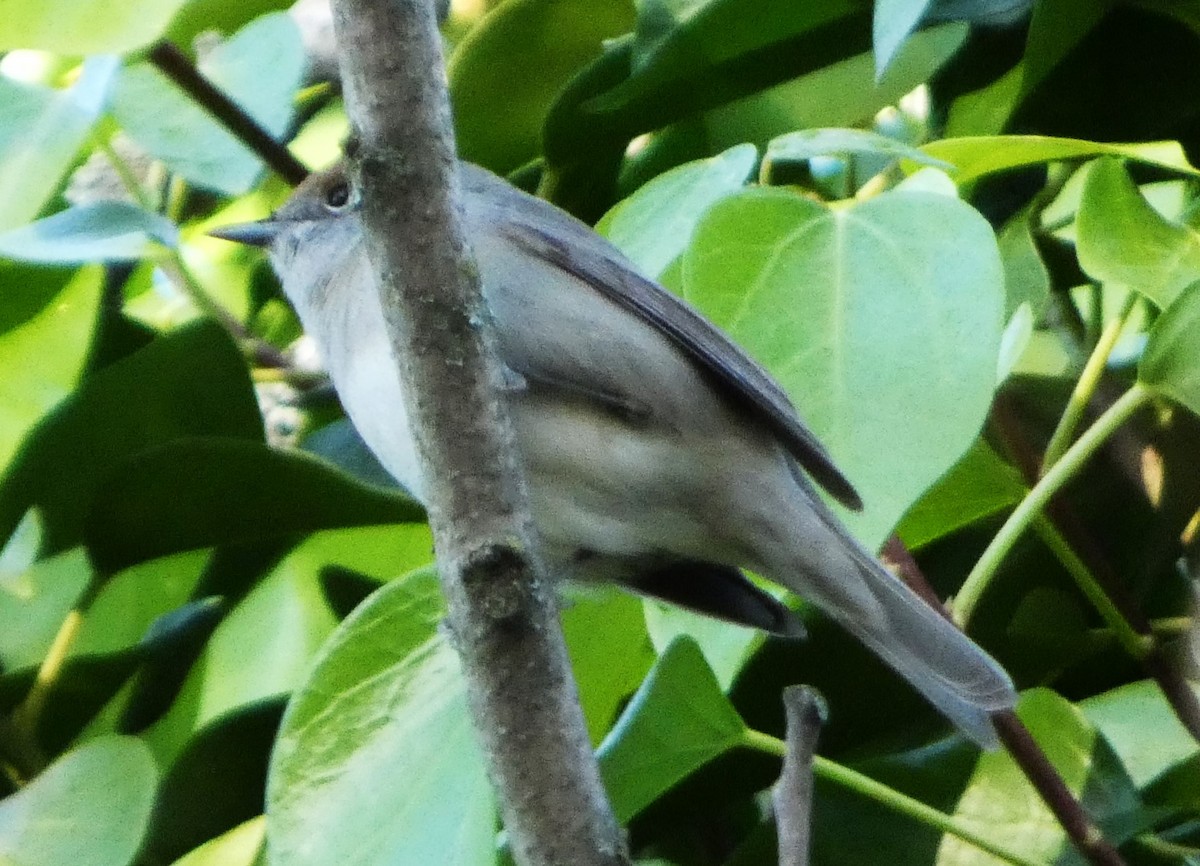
x=257 y=234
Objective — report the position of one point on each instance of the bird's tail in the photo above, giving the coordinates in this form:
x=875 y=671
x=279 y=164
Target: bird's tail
x=831 y=570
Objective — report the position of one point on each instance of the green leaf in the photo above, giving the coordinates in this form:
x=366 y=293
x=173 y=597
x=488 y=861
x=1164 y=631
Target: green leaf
x=975 y=157
x=84 y=26
x=894 y=20
x=863 y=313
x=838 y=95
x=376 y=761
x=1026 y=279
x=977 y=486
x=218 y=16
x=108 y=231
x=1139 y=724
x=241 y=846
x=556 y=39
x=678 y=721
x=91 y=806
x=260 y=68
x=1122 y=240
x=654 y=225
x=140 y=512
x=1171 y=362
x=610 y=653
x=999 y=802
x=985 y=111
x=43 y=355
x=42 y=130
x=805 y=144
x=726 y=647
x=192 y=382
x=130 y=601
x=34 y=603
x=251 y=658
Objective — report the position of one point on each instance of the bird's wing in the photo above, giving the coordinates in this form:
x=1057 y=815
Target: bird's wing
x=548 y=233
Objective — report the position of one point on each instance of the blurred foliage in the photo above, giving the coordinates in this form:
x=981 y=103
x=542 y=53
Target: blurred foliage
x=944 y=226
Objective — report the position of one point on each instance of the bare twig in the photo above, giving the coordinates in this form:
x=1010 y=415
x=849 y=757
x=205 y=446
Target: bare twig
x=501 y=608
x=1083 y=832
x=792 y=797
x=176 y=65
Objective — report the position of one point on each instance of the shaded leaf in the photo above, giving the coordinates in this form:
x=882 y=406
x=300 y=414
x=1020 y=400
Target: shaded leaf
x=388 y=676
x=345 y=589
x=140 y=512
x=1171 y=362
x=1026 y=279
x=678 y=721
x=173 y=643
x=91 y=806
x=557 y=39
x=977 y=486
x=192 y=382
x=216 y=783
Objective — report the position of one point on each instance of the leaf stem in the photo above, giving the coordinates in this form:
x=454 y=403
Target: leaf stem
x=28 y=716
x=1089 y=379
x=840 y=774
x=1035 y=502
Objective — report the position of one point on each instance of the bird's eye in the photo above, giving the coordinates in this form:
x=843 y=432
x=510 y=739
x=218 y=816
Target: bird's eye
x=337 y=196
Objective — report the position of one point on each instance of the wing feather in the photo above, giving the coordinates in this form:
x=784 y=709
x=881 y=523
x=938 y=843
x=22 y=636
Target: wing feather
x=544 y=231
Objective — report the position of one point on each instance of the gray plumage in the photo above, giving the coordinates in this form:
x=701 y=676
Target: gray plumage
x=658 y=454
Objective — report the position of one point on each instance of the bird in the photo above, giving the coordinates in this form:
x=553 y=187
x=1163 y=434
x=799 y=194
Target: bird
x=658 y=455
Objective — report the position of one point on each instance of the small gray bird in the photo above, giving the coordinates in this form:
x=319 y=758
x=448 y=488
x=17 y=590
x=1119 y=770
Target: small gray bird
x=658 y=454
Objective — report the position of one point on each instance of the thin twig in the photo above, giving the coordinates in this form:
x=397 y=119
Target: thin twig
x=792 y=795
x=176 y=65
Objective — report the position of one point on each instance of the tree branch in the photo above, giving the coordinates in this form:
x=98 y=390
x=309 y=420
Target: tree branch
x=501 y=608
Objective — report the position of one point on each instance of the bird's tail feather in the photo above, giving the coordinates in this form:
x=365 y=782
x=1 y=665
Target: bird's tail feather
x=943 y=664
